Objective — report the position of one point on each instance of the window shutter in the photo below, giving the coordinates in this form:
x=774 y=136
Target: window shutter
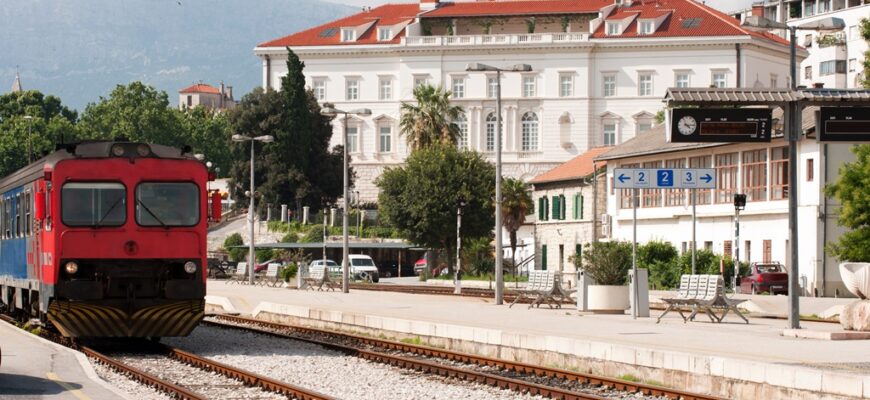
x=543 y=257
x=540 y=208
x=576 y=206
x=578 y=252
x=546 y=209
x=563 y=212
x=581 y=206
x=556 y=208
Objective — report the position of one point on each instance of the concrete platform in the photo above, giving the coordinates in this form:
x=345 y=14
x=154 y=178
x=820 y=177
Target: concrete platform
x=732 y=359
x=34 y=368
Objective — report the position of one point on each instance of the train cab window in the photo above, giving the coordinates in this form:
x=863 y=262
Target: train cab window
x=167 y=204
x=93 y=204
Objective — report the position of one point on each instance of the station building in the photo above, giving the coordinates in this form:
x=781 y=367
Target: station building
x=599 y=71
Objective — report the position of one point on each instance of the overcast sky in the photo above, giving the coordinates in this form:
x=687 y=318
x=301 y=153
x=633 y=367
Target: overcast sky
x=722 y=5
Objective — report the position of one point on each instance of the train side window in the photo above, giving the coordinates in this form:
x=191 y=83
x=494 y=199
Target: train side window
x=18 y=215
x=28 y=225
x=7 y=211
x=2 y=218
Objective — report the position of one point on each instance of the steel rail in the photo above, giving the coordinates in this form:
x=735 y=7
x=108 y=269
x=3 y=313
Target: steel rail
x=515 y=384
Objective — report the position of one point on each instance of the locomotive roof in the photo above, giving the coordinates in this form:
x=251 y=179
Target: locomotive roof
x=88 y=149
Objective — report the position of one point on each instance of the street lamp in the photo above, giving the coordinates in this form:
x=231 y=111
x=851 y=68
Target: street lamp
x=739 y=205
x=792 y=123
x=329 y=110
x=478 y=67
x=265 y=139
x=29 y=120
x=457 y=275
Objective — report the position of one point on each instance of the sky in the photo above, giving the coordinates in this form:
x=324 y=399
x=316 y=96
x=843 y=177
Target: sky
x=721 y=5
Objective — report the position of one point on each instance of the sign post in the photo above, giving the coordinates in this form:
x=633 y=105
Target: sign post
x=659 y=178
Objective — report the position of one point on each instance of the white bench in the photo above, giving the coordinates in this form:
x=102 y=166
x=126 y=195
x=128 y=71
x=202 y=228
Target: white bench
x=318 y=278
x=541 y=287
x=702 y=293
x=271 y=277
x=240 y=275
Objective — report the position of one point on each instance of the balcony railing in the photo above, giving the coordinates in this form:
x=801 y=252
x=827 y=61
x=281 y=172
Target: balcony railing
x=485 y=40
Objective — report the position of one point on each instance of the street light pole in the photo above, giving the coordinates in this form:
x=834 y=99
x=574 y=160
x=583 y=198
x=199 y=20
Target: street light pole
x=251 y=256
x=460 y=203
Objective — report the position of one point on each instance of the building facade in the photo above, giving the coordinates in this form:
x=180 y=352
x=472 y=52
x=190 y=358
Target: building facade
x=759 y=170
x=208 y=96
x=836 y=59
x=599 y=71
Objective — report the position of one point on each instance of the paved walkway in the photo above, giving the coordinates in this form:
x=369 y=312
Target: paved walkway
x=34 y=368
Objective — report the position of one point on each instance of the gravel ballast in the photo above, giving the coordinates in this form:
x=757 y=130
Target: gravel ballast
x=133 y=389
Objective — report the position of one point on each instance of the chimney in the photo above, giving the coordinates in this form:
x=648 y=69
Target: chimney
x=230 y=92
x=429 y=5
x=758 y=9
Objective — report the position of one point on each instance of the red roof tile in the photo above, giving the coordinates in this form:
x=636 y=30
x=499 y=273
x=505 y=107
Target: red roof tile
x=329 y=34
x=576 y=168
x=523 y=7
x=200 y=88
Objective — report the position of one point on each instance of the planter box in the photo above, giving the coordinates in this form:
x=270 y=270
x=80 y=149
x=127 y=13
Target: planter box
x=608 y=299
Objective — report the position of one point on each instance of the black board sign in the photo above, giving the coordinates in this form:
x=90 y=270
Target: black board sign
x=720 y=125
x=844 y=124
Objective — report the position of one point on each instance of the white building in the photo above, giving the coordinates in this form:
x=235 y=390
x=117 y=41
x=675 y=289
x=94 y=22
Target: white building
x=600 y=69
x=759 y=170
x=202 y=94
x=835 y=59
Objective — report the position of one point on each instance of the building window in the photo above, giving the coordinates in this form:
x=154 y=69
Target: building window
x=320 y=89
x=726 y=177
x=566 y=85
x=543 y=208
x=348 y=35
x=674 y=197
x=530 y=132
x=491 y=87
x=808 y=40
x=808 y=9
x=352 y=139
x=385 y=139
x=609 y=85
x=385 y=34
x=189 y=100
x=774 y=81
x=747 y=251
x=779 y=173
x=528 y=86
x=613 y=28
x=702 y=196
x=609 y=134
x=755 y=175
x=719 y=79
x=578 y=206
x=810 y=171
x=808 y=72
x=490 y=132
x=646 y=28
x=853 y=64
x=644 y=84
x=708 y=245
x=726 y=249
x=458 y=87
x=853 y=32
x=385 y=91
x=766 y=253
x=420 y=80
x=681 y=79
x=462 y=125
x=832 y=67
x=651 y=197
x=351 y=89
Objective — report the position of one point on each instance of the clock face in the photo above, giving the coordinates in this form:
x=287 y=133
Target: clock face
x=687 y=125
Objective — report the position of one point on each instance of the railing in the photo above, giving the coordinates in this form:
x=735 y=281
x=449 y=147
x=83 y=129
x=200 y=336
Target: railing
x=481 y=40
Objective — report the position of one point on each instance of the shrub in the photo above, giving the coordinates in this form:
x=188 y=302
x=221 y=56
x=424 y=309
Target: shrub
x=289 y=272
x=314 y=234
x=290 y=237
x=236 y=254
x=607 y=263
x=264 y=255
x=660 y=259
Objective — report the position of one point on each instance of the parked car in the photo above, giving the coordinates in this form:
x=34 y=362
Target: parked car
x=363 y=267
x=420 y=266
x=262 y=267
x=334 y=268
x=768 y=277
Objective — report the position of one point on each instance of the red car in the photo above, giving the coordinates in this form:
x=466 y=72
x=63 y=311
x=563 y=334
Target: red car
x=765 y=277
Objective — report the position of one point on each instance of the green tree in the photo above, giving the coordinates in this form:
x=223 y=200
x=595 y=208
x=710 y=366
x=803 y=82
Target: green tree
x=419 y=198
x=51 y=124
x=137 y=112
x=865 y=33
x=660 y=260
x=430 y=120
x=851 y=191
x=236 y=253
x=516 y=203
x=209 y=135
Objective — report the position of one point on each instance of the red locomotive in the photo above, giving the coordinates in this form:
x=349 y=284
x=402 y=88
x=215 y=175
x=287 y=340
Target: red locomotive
x=107 y=239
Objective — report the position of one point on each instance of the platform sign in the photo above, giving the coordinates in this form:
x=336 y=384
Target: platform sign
x=664 y=178
x=720 y=125
x=844 y=124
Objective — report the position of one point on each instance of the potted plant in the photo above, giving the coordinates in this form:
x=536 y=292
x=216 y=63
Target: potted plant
x=607 y=264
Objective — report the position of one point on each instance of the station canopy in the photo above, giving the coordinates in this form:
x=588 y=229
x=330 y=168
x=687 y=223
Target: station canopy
x=754 y=96
x=337 y=245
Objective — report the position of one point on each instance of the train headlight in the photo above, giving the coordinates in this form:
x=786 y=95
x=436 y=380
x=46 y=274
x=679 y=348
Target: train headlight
x=117 y=150
x=71 y=267
x=143 y=150
x=190 y=267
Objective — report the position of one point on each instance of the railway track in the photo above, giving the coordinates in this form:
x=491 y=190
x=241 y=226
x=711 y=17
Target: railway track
x=536 y=380
x=139 y=374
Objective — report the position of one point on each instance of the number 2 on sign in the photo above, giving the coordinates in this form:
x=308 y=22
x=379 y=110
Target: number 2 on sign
x=641 y=177
x=666 y=177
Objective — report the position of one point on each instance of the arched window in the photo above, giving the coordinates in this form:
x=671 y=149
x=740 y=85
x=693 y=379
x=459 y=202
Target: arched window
x=462 y=124
x=490 y=132
x=530 y=132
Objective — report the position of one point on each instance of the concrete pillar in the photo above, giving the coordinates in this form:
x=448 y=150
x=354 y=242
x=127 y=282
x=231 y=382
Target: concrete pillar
x=283 y=213
x=583 y=282
x=332 y=212
x=642 y=294
x=305 y=215
x=268 y=212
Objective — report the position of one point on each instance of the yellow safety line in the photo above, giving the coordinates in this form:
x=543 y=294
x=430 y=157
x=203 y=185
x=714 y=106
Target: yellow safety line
x=75 y=392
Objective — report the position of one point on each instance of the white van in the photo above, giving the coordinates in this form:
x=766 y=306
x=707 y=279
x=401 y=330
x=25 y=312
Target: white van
x=363 y=267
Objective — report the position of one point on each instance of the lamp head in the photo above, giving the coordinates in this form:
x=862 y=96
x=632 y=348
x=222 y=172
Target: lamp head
x=328 y=110
x=265 y=138
x=477 y=67
x=240 y=138
x=827 y=24
x=521 y=68
x=757 y=23
x=362 y=112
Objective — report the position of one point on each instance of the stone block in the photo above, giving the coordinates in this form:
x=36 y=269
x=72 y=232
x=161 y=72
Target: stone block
x=778 y=376
x=622 y=354
x=842 y=383
x=808 y=379
x=856 y=316
x=600 y=351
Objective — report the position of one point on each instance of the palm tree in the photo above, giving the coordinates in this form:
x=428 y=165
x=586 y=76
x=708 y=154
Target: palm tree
x=515 y=205
x=430 y=120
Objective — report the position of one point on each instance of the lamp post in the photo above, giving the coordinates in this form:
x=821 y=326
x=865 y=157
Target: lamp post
x=329 y=110
x=457 y=275
x=325 y=266
x=478 y=67
x=739 y=205
x=792 y=119
x=252 y=259
x=29 y=120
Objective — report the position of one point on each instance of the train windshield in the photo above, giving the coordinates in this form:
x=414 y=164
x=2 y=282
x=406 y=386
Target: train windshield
x=167 y=204
x=93 y=204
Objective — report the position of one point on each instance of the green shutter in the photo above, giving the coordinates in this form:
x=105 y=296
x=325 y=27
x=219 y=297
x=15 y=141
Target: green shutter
x=563 y=213
x=556 y=207
x=543 y=257
x=541 y=208
x=546 y=209
x=581 y=206
x=576 y=206
x=578 y=252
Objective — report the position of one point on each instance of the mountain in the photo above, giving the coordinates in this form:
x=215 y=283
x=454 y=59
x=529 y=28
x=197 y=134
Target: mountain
x=80 y=49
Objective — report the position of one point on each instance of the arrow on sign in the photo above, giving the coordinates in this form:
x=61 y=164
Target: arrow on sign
x=707 y=178
x=622 y=178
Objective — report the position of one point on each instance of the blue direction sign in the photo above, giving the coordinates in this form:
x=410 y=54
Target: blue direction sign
x=664 y=178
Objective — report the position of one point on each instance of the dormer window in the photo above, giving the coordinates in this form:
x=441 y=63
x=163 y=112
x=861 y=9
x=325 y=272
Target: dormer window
x=613 y=28
x=385 y=34
x=646 y=28
x=348 y=35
